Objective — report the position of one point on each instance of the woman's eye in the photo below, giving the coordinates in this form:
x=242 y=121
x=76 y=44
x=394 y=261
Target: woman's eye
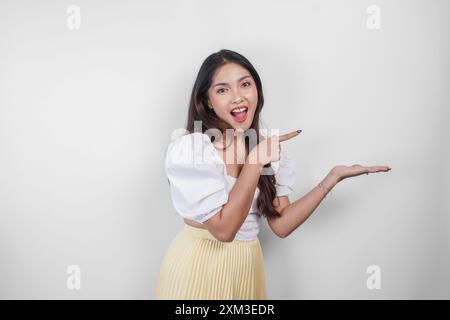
x=221 y=90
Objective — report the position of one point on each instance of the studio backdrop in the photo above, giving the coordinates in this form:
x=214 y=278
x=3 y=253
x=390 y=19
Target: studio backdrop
x=91 y=92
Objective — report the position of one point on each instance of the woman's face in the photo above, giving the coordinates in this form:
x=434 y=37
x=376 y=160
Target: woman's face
x=233 y=95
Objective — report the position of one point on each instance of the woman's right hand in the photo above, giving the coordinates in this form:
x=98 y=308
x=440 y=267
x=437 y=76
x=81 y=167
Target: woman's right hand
x=268 y=150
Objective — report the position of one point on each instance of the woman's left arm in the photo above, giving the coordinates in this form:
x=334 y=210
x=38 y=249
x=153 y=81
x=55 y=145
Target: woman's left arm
x=292 y=215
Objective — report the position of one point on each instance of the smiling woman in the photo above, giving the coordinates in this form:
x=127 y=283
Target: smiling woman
x=217 y=255
x=234 y=88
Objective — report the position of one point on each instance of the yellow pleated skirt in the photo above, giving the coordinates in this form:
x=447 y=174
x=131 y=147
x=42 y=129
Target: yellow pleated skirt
x=198 y=266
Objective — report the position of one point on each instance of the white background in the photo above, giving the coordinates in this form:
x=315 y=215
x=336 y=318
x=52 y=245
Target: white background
x=86 y=116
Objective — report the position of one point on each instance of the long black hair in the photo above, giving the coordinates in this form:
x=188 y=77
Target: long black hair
x=199 y=111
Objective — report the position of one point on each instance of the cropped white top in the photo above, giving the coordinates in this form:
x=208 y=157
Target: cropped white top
x=199 y=182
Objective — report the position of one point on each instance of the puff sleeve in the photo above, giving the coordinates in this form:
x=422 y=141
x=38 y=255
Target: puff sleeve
x=196 y=177
x=285 y=175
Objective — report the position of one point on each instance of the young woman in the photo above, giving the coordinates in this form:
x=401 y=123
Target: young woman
x=222 y=185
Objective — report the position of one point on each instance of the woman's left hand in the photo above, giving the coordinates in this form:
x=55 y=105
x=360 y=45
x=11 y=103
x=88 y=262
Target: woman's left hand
x=343 y=172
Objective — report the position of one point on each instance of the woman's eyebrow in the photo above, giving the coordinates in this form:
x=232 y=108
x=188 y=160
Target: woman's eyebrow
x=224 y=83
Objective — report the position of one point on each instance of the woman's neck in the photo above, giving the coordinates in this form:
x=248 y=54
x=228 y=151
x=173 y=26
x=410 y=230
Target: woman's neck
x=229 y=140
x=232 y=148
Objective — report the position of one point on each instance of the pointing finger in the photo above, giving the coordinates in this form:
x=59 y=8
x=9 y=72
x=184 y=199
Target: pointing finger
x=289 y=135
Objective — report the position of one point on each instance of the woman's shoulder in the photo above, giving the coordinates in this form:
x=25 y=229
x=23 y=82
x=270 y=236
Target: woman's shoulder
x=188 y=139
x=193 y=147
x=197 y=183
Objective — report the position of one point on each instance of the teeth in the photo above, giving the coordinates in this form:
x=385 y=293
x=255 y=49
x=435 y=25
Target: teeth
x=239 y=109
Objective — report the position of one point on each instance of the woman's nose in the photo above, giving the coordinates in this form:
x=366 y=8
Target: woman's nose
x=238 y=99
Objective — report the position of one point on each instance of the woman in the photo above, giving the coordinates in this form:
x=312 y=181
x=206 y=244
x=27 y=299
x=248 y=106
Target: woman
x=223 y=179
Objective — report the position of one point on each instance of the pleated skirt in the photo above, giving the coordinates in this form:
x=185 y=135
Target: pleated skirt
x=198 y=266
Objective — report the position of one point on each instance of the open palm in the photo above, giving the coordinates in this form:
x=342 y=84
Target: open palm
x=343 y=172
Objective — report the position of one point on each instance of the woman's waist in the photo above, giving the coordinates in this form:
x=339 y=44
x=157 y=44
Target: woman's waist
x=243 y=234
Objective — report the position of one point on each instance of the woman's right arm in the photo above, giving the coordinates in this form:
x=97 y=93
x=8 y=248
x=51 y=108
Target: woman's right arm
x=226 y=223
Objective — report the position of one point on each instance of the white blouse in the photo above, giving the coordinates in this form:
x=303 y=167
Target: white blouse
x=199 y=182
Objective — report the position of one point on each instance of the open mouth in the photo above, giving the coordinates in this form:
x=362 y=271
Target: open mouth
x=239 y=114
